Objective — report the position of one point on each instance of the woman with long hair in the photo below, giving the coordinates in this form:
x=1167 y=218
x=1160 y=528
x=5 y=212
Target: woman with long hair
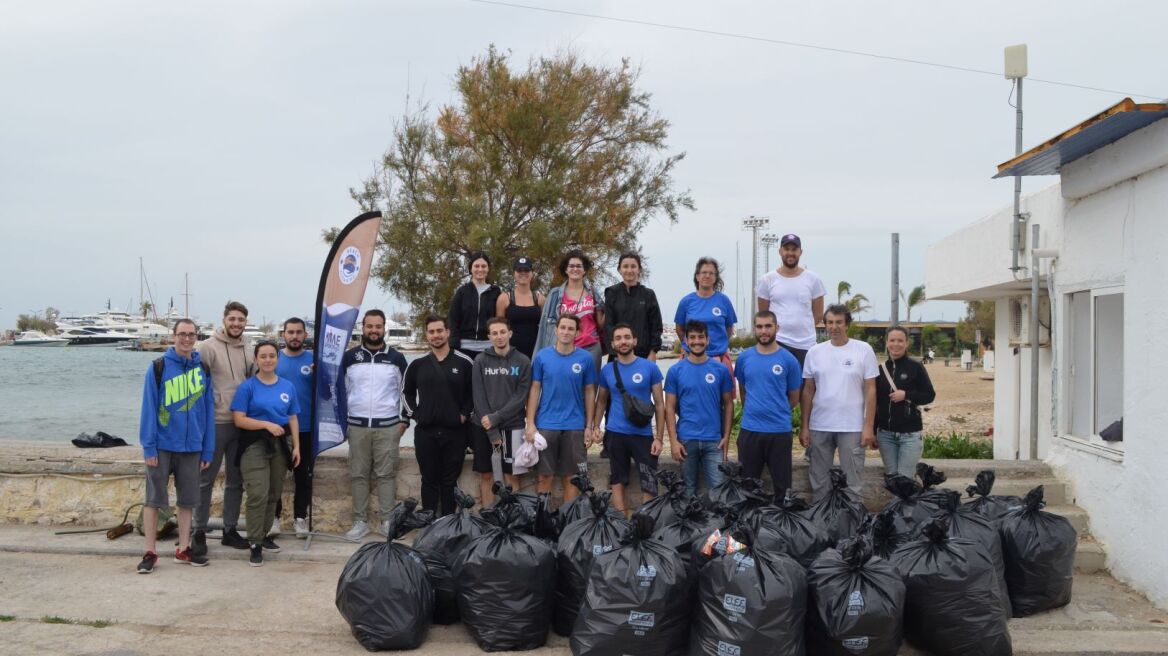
x=576 y=297
x=264 y=409
x=522 y=307
x=630 y=302
x=902 y=387
x=710 y=306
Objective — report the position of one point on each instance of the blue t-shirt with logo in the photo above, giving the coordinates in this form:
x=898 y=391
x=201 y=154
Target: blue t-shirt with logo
x=638 y=379
x=562 y=379
x=274 y=403
x=699 y=389
x=717 y=312
x=767 y=378
x=298 y=371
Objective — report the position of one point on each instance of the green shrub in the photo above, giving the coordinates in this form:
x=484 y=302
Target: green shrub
x=957 y=446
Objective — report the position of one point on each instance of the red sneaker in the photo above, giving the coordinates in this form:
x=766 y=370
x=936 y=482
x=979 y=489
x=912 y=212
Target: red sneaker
x=148 y=562
x=184 y=556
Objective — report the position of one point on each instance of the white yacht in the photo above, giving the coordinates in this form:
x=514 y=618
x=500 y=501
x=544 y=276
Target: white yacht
x=93 y=335
x=37 y=338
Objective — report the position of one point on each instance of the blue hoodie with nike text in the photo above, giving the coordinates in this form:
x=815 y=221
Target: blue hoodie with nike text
x=179 y=414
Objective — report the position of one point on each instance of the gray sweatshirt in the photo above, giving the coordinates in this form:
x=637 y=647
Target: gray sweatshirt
x=500 y=386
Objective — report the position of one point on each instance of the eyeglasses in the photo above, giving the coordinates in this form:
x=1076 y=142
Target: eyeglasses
x=186 y=335
x=575 y=266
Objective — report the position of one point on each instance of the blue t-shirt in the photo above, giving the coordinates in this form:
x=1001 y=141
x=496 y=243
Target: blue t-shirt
x=298 y=371
x=562 y=379
x=274 y=403
x=767 y=379
x=717 y=312
x=638 y=379
x=699 y=389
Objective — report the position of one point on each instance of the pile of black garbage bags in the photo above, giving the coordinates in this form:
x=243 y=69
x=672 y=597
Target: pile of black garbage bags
x=737 y=571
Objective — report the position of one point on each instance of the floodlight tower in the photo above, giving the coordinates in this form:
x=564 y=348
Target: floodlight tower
x=768 y=240
x=753 y=223
x=1016 y=69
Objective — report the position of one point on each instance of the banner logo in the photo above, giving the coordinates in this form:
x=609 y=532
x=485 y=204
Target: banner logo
x=350 y=265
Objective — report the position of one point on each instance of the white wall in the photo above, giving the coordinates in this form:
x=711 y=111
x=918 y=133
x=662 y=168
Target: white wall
x=1012 y=393
x=1119 y=235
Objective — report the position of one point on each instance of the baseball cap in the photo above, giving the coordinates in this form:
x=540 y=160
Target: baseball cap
x=791 y=238
x=522 y=264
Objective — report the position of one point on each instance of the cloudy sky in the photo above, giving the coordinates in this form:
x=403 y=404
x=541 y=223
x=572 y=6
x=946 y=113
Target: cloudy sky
x=217 y=139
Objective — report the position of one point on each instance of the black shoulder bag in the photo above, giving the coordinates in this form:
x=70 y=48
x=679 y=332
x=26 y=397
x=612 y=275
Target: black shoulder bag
x=639 y=412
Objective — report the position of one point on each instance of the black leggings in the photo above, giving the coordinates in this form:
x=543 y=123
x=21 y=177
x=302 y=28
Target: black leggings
x=441 y=453
x=302 y=475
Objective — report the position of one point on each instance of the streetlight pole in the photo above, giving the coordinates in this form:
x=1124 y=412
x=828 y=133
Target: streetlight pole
x=753 y=223
x=768 y=240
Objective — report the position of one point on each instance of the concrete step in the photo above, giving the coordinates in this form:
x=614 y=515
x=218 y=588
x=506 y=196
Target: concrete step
x=1090 y=558
x=1076 y=515
x=1054 y=491
x=1003 y=469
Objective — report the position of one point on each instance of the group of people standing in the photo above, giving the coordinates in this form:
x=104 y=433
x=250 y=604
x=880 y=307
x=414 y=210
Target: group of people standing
x=509 y=367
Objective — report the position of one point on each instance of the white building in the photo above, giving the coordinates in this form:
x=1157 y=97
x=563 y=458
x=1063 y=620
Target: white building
x=1104 y=340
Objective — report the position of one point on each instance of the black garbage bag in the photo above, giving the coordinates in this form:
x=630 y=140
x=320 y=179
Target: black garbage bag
x=721 y=541
x=582 y=506
x=964 y=522
x=750 y=601
x=804 y=538
x=693 y=521
x=580 y=542
x=953 y=605
x=857 y=602
x=440 y=543
x=540 y=520
x=880 y=529
x=637 y=600
x=100 y=440
x=841 y=512
x=384 y=592
x=993 y=506
x=667 y=505
x=1039 y=550
x=930 y=495
x=907 y=513
x=506 y=580
x=732 y=491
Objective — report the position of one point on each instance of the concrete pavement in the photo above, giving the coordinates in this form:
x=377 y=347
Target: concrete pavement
x=287 y=605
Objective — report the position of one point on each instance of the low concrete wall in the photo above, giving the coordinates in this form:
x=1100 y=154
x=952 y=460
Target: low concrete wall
x=55 y=484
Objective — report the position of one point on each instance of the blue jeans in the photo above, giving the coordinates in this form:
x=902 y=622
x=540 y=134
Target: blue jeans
x=703 y=456
x=900 y=451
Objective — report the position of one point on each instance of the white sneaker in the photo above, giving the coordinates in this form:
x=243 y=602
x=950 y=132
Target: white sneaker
x=383 y=528
x=360 y=529
x=301 y=527
x=275 y=528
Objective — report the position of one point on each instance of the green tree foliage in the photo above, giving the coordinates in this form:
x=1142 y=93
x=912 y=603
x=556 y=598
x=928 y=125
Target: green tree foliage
x=934 y=338
x=914 y=298
x=856 y=303
x=33 y=322
x=558 y=155
x=979 y=315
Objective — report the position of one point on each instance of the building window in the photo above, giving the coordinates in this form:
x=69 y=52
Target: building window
x=1094 y=362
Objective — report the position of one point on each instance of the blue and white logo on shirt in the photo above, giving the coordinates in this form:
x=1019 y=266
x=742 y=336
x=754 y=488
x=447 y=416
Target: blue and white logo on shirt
x=637 y=378
x=576 y=368
x=717 y=312
x=777 y=370
x=285 y=398
x=710 y=378
x=306 y=370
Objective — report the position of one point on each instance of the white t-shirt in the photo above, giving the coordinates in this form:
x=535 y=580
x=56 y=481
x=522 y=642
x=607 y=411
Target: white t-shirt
x=791 y=302
x=840 y=373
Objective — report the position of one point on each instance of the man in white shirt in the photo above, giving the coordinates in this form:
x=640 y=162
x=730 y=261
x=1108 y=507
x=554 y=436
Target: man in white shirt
x=838 y=403
x=795 y=295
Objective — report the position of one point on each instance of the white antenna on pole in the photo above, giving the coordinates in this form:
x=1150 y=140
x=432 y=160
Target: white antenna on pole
x=1016 y=69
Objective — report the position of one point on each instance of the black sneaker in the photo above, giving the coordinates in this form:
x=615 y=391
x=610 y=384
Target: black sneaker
x=232 y=538
x=147 y=564
x=257 y=556
x=270 y=545
x=187 y=557
x=199 y=544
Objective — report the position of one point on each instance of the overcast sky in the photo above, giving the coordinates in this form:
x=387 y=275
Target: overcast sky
x=218 y=139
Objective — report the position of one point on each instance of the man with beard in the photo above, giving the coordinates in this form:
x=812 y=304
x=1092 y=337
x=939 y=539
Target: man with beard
x=795 y=295
x=699 y=410
x=770 y=377
x=839 y=403
x=437 y=396
x=231 y=362
x=627 y=373
x=295 y=366
x=369 y=383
